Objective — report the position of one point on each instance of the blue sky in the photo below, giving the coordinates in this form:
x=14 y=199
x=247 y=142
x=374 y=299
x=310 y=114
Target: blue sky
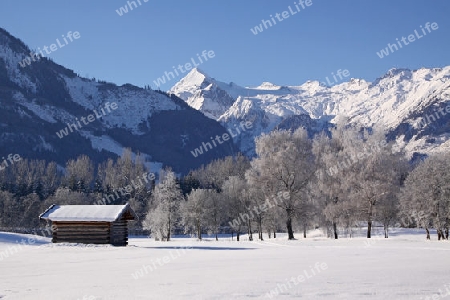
x=139 y=46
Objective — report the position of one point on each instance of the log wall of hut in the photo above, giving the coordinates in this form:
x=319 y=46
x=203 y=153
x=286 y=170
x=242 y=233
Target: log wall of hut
x=119 y=233
x=114 y=233
x=82 y=232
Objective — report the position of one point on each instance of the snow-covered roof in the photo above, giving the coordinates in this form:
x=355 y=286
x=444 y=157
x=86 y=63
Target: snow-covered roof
x=87 y=213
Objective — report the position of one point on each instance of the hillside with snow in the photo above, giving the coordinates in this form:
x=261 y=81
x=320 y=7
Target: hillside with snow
x=46 y=108
x=396 y=102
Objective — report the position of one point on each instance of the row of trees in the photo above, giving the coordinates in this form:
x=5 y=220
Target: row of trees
x=28 y=187
x=294 y=183
x=341 y=180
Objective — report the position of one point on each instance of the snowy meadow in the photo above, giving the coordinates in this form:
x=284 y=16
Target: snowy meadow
x=313 y=164
x=404 y=266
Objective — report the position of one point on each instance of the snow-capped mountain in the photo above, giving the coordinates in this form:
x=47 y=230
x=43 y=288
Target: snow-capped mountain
x=44 y=108
x=398 y=102
x=203 y=94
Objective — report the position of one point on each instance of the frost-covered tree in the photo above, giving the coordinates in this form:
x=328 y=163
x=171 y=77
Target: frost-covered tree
x=215 y=212
x=356 y=171
x=202 y=211
x=156 y=221
x=284 y=164
x=272 y=221
x=193 y=212
x=213 y=175
x=232 y=195
x=163 y=215
x=376 y=171
x=426 y=194
x=246 y=199
x=308 y=215
x=115 y=176
x=79 y=174
x=50 y=180
x=330 y=190
x=338 y=158
x=65 y=196
x=108 y=176
x=257 y=204
x=125 y=180
x=387 y=210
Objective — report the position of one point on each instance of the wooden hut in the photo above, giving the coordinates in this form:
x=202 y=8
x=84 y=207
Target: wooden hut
x=90 y=224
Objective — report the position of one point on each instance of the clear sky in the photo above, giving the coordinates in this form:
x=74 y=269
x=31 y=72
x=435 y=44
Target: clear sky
x=139 y=46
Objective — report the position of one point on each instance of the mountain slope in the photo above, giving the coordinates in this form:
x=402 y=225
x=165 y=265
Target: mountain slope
x=397 y=102
x=43 y=98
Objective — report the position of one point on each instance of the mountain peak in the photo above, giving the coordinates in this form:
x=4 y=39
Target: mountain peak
x=267 y=86
x=396 y=71
x=196 y=77
x=199 y=71
x=395 y=74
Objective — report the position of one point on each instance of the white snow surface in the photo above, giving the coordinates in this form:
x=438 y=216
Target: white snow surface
x=105 y=142
x=95 y=213
x=135 y=106
x=13 y=68
x=45 y=112
x=405 y=266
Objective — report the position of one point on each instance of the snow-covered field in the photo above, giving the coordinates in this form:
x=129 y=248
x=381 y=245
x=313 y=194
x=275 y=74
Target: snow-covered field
x=405 y=266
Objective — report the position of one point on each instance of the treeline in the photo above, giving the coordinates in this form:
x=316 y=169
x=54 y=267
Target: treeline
x=338 y=182
x=335 y=182
x=29 y=187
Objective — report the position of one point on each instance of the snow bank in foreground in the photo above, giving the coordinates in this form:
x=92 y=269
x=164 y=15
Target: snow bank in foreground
x=405 y=266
